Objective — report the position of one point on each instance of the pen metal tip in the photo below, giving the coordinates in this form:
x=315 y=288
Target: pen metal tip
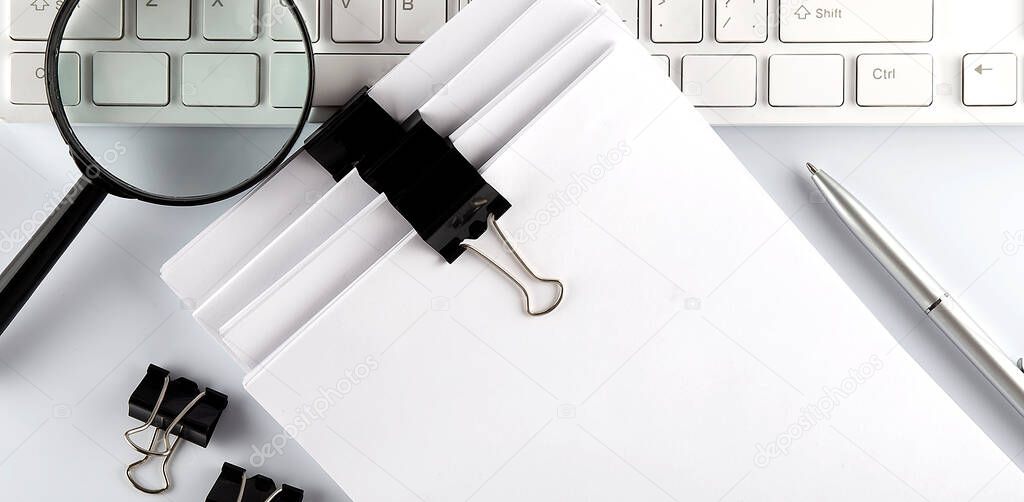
x=811 y=168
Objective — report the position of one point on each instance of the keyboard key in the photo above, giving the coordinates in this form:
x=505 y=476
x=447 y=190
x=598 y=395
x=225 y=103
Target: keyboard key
x=163 y=19
x=220 y=79
x=856 y=21
x=28 y=79
x=287 y=79
x=664 y=63
x=741 y=21
x=339 y=76
x=229 y=19
x=415 y=20
x=629 y=11
x=990 y=79
x=720 y=81
x=677 y=21
x=130 y=78
x=95 y=19
x=283 y=25
x=894 y=80
x=357 y=21
x=806 y=80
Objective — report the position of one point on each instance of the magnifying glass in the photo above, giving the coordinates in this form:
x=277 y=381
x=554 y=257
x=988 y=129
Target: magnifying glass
x=164 y=115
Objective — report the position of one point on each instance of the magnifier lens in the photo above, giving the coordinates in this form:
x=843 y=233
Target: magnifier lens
x=177 y=114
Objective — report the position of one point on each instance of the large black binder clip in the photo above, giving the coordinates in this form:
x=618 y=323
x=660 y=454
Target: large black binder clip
x=233 y=486
x=436 y=189
x=357 y=134
x=425 y=178
x=172 y=408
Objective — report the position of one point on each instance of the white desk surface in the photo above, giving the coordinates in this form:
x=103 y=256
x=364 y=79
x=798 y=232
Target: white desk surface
x=955 y=196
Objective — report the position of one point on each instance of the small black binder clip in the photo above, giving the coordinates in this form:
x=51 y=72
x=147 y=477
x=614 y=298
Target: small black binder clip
x=424 y=177
x=171 y=407
x=233 y=486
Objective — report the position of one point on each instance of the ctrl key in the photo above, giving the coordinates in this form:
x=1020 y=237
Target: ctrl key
x=894 y=80
x=28 y=79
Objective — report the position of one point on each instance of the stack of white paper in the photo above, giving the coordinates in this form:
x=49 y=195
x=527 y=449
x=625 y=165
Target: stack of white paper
x=704 y=350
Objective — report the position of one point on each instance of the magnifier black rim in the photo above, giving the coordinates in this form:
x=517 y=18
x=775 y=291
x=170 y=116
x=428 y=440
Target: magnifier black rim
x=94 y=170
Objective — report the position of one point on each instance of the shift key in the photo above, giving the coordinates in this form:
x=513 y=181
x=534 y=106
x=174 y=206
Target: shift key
x=857 y=21
x=94 y=19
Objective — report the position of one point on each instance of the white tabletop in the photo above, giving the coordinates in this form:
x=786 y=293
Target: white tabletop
x=69 y=362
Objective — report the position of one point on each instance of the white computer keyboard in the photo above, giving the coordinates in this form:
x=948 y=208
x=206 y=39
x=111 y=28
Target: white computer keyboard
x=742 y=61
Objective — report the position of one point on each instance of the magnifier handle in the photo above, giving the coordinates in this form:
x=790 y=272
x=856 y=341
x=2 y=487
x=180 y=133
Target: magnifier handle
x=21 y=278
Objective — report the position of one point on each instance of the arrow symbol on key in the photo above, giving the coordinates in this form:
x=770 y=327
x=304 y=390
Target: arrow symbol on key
x=981 y=70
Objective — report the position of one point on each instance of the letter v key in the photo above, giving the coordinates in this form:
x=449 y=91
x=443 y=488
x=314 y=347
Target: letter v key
x=359 y=21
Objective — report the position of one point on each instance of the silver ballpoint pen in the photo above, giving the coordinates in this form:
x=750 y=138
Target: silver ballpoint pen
x=1001 y=371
